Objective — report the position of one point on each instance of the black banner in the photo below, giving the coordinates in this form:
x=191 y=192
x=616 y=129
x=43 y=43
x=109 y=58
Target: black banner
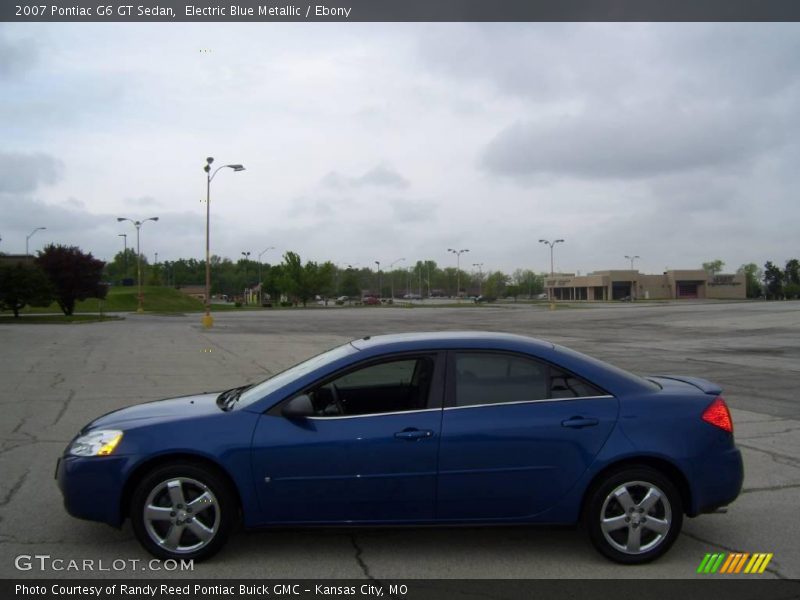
x=722 y=588
x=398 y=10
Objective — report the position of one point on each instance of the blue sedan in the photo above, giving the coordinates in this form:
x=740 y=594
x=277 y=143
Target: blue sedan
x=415 y=429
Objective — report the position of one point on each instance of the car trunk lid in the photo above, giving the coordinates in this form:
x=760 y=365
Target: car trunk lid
x=705 y=386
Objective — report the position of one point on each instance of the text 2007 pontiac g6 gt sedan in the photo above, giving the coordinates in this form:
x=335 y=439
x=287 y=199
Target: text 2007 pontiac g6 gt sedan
x=427 y=428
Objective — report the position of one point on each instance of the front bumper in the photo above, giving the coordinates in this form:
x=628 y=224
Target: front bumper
x=92 y=486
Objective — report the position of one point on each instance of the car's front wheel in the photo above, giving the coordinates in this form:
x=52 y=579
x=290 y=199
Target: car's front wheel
x=634 y=515
x=182 y=511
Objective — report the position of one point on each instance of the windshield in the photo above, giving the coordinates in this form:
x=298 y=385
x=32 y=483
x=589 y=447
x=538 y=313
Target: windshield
x=283 y=378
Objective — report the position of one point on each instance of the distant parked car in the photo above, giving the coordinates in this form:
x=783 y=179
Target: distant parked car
x=415 y=429
x=480 y=299
x=371 y=300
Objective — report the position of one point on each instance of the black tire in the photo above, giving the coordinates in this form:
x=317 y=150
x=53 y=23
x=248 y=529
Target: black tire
x=628 y=487
x=213 y=515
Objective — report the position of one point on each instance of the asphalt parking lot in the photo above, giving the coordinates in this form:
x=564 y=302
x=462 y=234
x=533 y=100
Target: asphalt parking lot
x=55 y=378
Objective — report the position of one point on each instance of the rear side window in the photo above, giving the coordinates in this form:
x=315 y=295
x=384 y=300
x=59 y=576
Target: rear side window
x=483 y=378
x=566 y=385
x=496 y=378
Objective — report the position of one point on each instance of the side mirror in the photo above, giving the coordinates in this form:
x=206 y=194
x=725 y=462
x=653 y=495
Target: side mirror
x=298 y=407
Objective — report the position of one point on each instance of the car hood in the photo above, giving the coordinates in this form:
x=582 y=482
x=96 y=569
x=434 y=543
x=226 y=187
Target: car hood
x=159 y=410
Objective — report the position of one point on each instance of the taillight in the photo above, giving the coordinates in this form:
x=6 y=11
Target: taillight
x=718 y=414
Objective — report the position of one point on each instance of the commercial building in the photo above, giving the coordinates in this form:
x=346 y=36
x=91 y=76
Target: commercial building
x=630 y=284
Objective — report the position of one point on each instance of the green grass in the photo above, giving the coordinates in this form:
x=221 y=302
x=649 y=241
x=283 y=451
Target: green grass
x=58 y=319
x=124 y=299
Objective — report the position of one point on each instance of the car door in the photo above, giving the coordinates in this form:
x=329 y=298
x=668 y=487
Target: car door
x=367 y=454
x=517 y=433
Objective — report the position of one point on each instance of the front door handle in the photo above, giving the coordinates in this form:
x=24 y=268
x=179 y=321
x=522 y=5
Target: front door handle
x=413 y=434
x=579 y=422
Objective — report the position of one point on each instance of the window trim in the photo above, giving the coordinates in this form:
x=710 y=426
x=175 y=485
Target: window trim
x=450 y=390
x=435 y=393
x=545 y=400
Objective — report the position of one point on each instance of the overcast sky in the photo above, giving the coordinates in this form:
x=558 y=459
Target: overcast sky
x=363 y=142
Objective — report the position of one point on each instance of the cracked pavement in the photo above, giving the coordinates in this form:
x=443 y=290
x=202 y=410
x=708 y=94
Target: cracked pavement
x=56 y=378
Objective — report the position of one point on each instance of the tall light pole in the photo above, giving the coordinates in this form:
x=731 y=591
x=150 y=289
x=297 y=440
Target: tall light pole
x=392 y=274
x=551 y=244
x=633 y=283
x=138 y=225
x=480 y=277
x=458 y=254
x=380 y=280
x=124 y=237
x=246 y=259
x=208 y=321
x=28 y=237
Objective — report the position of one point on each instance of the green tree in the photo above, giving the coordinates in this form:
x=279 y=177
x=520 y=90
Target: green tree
x=529 y=283
x=297 y=281
x=325 y=284
x=752 y=275
x=272 y=276
x=73 y=274
x=773 y=280
x=349 y=283
x=713 y=267
x=495 y=286
x=122 y=265
x=791 y=287
x=23 y=284
x=513 y=291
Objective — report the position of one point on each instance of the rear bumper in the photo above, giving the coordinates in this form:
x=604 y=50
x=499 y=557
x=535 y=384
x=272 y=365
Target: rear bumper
x=716 y=481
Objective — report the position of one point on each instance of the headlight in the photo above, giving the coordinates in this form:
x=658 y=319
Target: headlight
x=96 y=443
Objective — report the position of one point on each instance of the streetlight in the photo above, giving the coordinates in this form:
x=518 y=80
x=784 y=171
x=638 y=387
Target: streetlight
x=480 y=277
x=125 y=253
x=458 y=254
x=551 y=244
x=208 y=321
x=632 y=258
x=246 y=259
x=138 y=225
x=380 y=280
x=392 y=274
x=29 y=237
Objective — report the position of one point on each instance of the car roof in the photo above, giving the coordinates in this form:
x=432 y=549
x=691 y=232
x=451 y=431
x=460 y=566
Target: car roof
x=450 y=339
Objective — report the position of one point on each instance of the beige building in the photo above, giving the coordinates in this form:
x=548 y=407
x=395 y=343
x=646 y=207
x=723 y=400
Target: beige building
x=623 y=284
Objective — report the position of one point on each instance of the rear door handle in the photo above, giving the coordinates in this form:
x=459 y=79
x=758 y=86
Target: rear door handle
x=578 y=422
x=413 y=434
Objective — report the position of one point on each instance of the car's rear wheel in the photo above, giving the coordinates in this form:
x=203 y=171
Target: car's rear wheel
x=182 y=511
x=634 y=515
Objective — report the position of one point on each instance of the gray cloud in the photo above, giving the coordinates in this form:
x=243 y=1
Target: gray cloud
x=144 y=201
x=16 y=57
x=379 y=176
x=631 y=143
x=411 y=211
x=21 y=173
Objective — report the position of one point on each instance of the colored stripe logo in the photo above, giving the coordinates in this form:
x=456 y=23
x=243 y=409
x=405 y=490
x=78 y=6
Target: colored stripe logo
x=735 y=562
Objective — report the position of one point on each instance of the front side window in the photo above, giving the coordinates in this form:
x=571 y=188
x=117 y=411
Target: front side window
x=495 y=378
x=385 y=387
